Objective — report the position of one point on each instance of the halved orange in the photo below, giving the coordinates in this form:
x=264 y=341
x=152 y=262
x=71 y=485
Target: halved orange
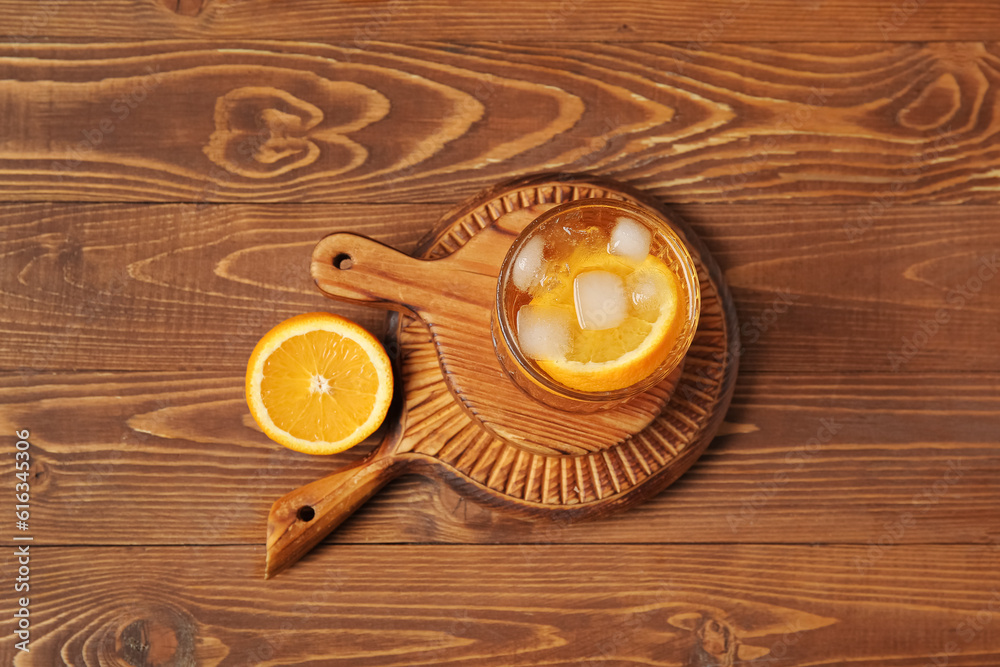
x=319 y=383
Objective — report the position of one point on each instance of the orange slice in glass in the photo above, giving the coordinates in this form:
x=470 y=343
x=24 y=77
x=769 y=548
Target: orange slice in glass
x=610 y=359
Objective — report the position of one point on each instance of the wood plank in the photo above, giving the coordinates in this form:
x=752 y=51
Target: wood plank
x=358 y=24
x=873 y=124
x=176 y=459
x=515 y=606
x=183 y=287
x=116 y=287
x=846 y=288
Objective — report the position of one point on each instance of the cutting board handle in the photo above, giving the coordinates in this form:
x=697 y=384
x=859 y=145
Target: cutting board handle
x=356 y=268
x=300 y=520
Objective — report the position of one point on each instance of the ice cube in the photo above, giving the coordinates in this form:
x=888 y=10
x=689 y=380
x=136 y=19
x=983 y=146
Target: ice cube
x=630 y=239
x=599 y=297
x=543 y=332
x=649 y=291
x=643 y=291
x=529 y=264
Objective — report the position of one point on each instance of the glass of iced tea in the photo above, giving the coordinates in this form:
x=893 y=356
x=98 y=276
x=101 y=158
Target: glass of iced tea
x=597 y=301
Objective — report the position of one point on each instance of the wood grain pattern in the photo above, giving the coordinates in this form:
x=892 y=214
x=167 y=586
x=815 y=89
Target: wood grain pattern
x=463 y=416
x=596 y=482
x=126 y=445
x=436 y=436
x=182 y=287
x=187 y=287
x=876 y=125
x=452 y=296
x=846 y=182
x=450 y=287
x=359 y=24
x=662 y=606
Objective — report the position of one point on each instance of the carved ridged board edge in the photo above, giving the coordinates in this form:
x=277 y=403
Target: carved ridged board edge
x=500 y=474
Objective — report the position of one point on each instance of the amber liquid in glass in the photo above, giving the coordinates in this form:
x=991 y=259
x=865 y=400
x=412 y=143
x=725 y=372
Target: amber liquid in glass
x=582 y=284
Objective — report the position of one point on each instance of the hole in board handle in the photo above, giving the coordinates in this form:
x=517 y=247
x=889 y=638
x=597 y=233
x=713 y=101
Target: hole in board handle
x=306 y=513
x=343 y=261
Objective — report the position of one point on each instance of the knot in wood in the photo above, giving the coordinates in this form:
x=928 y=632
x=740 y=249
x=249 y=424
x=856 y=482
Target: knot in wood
x=150 y=635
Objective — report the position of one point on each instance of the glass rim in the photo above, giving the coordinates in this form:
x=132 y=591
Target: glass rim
x=679 y=251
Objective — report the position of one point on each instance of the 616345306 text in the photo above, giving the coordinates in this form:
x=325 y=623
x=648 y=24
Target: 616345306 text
x=22 y=552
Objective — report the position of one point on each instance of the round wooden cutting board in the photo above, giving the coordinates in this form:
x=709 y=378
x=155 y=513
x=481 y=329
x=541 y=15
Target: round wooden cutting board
x=461 y=420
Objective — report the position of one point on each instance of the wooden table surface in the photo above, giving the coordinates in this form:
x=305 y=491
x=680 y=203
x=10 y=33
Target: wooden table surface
x=167 y=166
